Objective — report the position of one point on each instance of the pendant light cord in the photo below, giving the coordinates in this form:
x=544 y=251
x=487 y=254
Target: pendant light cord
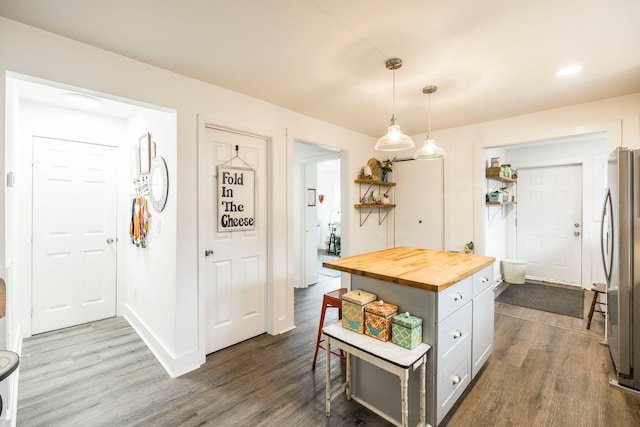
x=429 y=118
x=394 y=92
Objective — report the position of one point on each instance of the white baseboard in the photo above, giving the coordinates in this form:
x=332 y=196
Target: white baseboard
x=174 y=365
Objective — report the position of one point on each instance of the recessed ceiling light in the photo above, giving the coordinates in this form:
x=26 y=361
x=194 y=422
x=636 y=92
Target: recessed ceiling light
x=79 y=100
x=569 y=71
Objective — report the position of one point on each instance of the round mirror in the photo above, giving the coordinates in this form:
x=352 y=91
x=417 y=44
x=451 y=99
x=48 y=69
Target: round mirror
x=159 y=184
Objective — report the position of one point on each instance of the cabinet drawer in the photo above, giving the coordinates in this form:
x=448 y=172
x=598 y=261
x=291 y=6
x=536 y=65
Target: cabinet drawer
x=482 y=280
x=452 y=382
x=454 y=335
x=454 y=297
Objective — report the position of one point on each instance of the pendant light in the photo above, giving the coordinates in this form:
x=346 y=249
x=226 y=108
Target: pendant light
x=430 y=149
x=394 y=139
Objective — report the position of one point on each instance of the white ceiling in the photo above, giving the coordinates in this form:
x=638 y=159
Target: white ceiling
x=325 y=58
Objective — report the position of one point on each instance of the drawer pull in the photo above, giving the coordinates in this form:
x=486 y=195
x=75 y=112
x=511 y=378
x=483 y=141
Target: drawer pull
x=457 y=296
x=457 y=334
x=456 y=379
x=484 y=279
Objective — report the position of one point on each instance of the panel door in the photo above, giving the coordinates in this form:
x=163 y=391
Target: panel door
x=549 y=229
x=419 y=212
x=233 y=264
x=74 y=231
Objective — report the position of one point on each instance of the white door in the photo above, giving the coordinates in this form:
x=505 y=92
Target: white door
x=419 y=217
x=311 y=224
x=549 y=228
x=232 y=264
x=74 y=231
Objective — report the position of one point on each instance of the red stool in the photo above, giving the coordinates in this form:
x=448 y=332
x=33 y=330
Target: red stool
x=331 y=299
x=598 y=288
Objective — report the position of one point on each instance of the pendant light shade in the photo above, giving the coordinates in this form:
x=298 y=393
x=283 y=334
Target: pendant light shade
x=430 y=149
x=394 y=139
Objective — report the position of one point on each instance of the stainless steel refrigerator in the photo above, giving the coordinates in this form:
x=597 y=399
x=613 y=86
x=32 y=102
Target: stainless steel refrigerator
x=620 y=256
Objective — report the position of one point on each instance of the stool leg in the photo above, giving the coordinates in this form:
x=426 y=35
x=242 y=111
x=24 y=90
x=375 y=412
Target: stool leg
x=320 y=326
x=593 y=306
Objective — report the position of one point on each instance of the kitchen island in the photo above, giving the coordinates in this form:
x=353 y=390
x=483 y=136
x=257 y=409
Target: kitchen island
x=453 y=294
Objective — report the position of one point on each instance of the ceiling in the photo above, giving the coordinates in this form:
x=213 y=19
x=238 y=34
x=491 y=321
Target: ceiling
x=326 y=58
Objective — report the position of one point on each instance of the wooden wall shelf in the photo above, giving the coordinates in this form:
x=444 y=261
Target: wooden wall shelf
x=494 y=175
x=383 y=208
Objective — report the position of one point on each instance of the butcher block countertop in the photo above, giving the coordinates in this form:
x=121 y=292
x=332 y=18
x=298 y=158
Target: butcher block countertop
x=418 y=268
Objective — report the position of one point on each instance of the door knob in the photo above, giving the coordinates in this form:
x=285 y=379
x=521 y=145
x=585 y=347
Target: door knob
x=456 y=379
x=208 y=252
x=109 y=240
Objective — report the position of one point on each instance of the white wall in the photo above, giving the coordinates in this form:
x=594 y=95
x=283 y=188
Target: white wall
x=146 y=275
x=33 y=52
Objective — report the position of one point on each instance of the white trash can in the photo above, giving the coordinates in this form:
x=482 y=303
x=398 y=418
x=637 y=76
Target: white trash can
x=513 y=271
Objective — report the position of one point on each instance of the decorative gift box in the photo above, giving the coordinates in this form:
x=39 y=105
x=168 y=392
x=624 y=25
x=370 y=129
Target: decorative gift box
x=377 y=319
x=496 y=196
x=353 y=309
x=406 y=330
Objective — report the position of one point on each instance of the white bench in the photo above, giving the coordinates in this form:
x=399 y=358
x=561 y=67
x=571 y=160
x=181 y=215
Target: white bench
x=386 y=355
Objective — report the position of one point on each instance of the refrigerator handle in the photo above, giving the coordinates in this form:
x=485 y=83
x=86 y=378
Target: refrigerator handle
x=607 y=269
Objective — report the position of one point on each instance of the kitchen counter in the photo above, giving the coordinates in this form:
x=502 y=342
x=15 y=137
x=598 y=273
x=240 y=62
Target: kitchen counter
x=453 y=294
x=419 y=268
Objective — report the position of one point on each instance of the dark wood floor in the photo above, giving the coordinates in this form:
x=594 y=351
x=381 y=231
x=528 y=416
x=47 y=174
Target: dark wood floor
x=546 y=370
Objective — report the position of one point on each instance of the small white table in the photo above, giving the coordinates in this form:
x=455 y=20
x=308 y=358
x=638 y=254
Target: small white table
x=385 y=355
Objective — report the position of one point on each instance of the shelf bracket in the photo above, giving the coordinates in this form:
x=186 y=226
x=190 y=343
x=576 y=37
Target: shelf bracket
x=381 y=220
x=366 y=217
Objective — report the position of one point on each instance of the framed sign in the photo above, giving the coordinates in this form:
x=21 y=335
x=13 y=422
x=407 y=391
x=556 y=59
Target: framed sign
x=236 y=198
x=144 y=147
x=311 y=196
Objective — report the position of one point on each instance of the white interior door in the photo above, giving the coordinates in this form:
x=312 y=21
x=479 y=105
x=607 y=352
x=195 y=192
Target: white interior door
x=419 y=212
x=310 y=224
x=74 y=231
x=549 y=229
x=233 y=264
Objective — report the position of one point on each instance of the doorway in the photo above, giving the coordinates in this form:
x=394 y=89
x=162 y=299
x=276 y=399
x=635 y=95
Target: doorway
x=329 y=215
x=318 y=225
x=41 y=112
x=585 y=155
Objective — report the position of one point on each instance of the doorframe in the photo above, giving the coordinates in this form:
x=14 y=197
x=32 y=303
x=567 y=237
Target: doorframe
x=525 y=135
x=612 y=129
x=329 y=153
x=204 y=122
